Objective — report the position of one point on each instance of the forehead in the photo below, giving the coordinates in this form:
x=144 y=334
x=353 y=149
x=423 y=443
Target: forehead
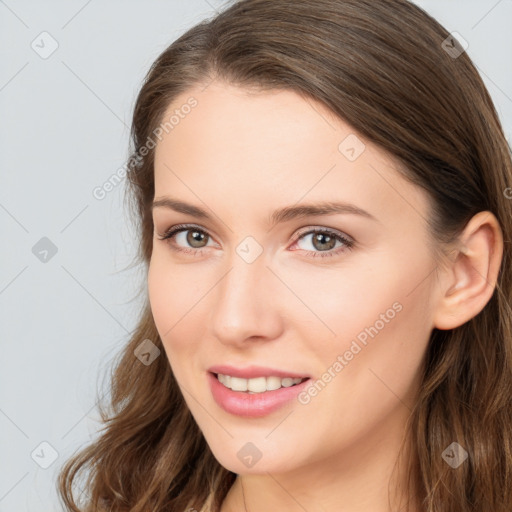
x=239 y=147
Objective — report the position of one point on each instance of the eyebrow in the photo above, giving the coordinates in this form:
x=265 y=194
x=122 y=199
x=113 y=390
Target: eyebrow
x=281 y=215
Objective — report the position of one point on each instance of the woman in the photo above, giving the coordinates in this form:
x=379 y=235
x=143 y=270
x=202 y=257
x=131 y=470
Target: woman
x=323 y=197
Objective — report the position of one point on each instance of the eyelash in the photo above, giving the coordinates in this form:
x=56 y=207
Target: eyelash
x=348 y=244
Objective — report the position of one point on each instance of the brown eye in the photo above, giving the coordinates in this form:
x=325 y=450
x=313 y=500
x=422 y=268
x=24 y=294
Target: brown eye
x=186 y=238
x=323 y=241
x=195 y=238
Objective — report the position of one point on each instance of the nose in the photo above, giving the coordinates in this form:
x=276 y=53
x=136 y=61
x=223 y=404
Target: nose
x=247 y=303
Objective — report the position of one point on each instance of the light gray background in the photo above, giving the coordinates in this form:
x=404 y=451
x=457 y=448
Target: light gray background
x=64 y=130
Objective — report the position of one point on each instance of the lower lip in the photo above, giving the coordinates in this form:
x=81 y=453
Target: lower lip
x=252 y=405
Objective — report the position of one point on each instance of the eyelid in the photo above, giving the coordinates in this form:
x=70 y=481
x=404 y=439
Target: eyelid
x=175 y=228
x=322 y=229
x=348 y=242
x=178 y=228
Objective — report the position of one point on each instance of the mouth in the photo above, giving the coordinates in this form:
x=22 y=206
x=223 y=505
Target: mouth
x=256 y=385
x=257 y=395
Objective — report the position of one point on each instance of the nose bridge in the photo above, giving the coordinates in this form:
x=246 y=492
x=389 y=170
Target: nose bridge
x=244 y=299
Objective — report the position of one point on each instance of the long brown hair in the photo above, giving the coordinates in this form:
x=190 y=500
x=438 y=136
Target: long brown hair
x=382 y=67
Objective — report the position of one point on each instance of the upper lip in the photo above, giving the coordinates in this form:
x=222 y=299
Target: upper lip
x=250 y=372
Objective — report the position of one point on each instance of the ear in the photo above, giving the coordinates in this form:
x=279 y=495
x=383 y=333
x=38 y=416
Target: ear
x=470 y=279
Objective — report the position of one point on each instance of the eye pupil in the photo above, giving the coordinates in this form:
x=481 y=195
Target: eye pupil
x=195 y=237
x=326 y=241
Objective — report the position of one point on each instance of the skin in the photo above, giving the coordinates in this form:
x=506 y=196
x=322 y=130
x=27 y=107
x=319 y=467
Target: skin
x=241 y=156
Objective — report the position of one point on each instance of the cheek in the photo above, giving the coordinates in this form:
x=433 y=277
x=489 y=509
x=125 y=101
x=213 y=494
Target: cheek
x=160 y=283
x=339 y=304
x=382 y=321
x=175 y=300
x=379 y=377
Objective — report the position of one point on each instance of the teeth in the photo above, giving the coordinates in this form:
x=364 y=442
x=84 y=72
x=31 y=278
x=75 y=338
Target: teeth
x=287 y=382
x=273 y=383
x=238 y=384
x=258 y=384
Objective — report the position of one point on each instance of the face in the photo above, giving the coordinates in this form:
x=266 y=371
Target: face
x=343 y=297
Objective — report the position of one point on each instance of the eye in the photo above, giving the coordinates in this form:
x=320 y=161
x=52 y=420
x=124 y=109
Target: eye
x=324 y=240
x=186 y=234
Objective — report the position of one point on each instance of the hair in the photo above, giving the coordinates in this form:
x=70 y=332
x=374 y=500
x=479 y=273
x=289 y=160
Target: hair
x=382 y=68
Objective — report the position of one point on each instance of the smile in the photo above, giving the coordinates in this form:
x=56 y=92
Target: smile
x=257 y=396
x=257 y=384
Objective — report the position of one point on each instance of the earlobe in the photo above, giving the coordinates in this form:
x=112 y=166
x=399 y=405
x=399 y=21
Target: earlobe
x=473 y=273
